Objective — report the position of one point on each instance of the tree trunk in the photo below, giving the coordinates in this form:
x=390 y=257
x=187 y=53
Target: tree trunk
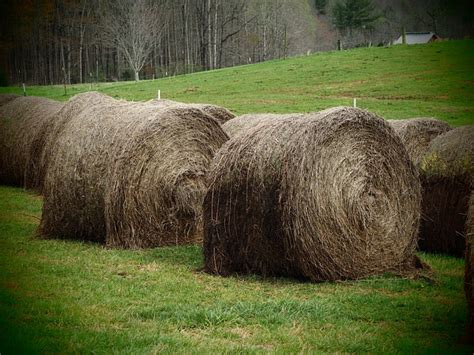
x=137 y=76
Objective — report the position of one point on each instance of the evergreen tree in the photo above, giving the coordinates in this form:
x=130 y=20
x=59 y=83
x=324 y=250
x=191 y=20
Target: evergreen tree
x=350 y=15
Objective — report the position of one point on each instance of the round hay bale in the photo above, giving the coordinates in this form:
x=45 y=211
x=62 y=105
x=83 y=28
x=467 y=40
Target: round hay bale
x=219 y=113
x=246 y=122
x=22 y=138
x=469 y=275
x=446 y=173
x=417 y=134
x=53 y=128
x=6 y=98
x=328 y=196
x=116 y=156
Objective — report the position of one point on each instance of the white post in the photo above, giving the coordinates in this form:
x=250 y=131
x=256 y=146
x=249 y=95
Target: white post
x=355 y=102
x=159 y=94
x=24 y=89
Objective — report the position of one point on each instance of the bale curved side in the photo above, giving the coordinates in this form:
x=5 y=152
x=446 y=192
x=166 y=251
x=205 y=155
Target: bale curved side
x=6 y=98
x=469 y=275
x=158 y=184
x=447 y=172
x=221 y=114
x=22 y=136
x=331 y=195
x=246 y=122
x=417 y=134
x=84 y=164
x=53 y=128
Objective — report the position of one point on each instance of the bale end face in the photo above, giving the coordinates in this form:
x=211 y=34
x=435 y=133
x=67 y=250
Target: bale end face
x=327 y=196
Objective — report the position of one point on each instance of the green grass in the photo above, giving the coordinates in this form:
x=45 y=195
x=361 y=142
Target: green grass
x=64 y=296
x=395 y=82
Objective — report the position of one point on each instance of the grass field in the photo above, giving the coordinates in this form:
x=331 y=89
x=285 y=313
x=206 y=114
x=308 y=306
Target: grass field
x=395 y=82
x=61 y=296
x=64 y=296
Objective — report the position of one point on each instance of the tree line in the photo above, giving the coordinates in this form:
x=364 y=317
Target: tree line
x=82 y=41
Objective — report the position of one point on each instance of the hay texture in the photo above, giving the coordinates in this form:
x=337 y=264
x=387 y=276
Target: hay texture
x=219 y=113
x=469 y=276
x=447 y=172
x=130 y=175
x=53 y=128
x=417 y=134
x=328 y=196
x=246 y=122
x=6 y=98
x=22 y=137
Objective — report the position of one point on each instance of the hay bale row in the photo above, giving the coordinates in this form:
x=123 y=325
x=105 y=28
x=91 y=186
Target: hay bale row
x=219 y=113
x=129 y=174
x=246 y=122
x=23 y=133
x=327 y=196
x=447 y=173
x=417 y=134
x=469 y=275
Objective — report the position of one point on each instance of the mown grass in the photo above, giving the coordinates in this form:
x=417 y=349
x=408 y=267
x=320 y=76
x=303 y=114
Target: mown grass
x=64 y=296
x=396 y=82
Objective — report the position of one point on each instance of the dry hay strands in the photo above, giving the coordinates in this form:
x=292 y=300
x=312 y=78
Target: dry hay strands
x=108 y=158
x=328 y=196
x=6 y=98
x=446 y=173
x=22 y=136
x=417 y=134
x=469 y=275
x=246 y=122
x=219 y=113
x=53 y=128
x=159 y=182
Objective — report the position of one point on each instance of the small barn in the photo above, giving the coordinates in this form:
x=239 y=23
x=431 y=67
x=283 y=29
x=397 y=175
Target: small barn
x=418 y=38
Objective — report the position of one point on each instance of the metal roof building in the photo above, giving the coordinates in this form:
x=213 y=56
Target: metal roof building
x=418 y=38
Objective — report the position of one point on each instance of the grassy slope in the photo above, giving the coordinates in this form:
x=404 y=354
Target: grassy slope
x=396 y=82
x=68 y=296
x=74 y=297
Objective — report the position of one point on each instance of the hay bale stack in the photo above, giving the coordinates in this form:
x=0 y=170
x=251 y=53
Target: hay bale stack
x=129 y=174
x=417 y=134
x=447 y=172
x=469 y=276
x=6 y=98
x=219 y=113
x=22 y=137
x=328 y=196
x=246 y=122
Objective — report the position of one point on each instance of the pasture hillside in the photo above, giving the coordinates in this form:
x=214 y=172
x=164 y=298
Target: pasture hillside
x=395 y=82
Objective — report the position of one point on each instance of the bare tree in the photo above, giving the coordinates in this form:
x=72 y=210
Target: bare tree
x=132 y=26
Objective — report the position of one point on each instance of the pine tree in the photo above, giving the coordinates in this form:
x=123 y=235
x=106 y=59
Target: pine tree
x=350 y=15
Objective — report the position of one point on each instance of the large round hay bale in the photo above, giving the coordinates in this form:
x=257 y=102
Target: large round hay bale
x=446 y=173
x=246 y=122
x=219 y=113
x=331 y=195
x=53 y=128
x=22 y=137
x=469 y=276
x=6 y=98
x=129 y=174
x=417 y=134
